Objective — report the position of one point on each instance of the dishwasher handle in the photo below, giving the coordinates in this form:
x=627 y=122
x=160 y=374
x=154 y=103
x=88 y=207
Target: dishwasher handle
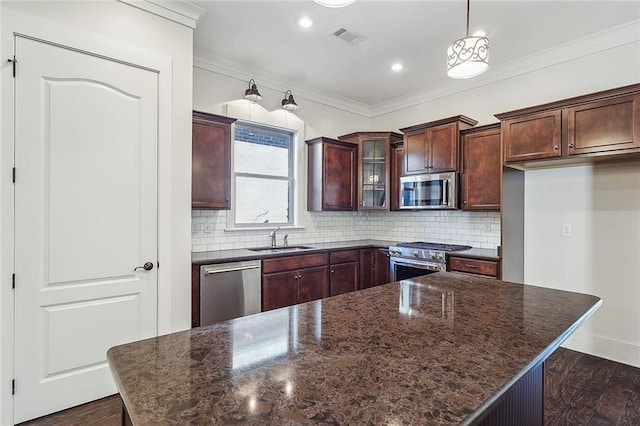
x=211 y=271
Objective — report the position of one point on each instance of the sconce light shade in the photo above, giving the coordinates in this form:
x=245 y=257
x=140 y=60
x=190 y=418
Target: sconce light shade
x=334 y=3
x=252 y=92
x=468 y=57
x=289 y=103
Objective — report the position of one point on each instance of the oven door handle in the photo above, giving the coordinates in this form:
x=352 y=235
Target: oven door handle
x=419 y=265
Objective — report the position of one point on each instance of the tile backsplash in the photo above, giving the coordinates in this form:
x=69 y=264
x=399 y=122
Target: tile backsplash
x=477 y=229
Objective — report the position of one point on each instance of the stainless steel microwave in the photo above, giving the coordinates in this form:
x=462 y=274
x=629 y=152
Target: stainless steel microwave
x=429 y=191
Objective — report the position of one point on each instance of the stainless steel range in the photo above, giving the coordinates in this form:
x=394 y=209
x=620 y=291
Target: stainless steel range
x=409 y=260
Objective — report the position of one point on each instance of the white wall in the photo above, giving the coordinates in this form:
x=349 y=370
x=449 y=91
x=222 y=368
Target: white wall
x=601 y=203
x=116 y=30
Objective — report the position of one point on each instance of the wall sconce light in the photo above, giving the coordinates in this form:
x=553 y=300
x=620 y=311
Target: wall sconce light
x=288 y=103
x=252 y=92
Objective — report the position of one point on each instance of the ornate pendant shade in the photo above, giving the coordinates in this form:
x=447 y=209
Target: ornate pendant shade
x=334 y=3
x=468 y=56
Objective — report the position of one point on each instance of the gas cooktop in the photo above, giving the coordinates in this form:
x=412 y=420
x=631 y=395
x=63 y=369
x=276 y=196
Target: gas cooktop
x=433 y=246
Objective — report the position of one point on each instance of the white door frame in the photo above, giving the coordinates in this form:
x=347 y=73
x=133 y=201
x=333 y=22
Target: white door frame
x=56 y=33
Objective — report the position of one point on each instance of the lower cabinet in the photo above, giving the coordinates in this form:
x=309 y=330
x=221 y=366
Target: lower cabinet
x=291 y=280
x=344 y=268
x=374 y=267
x=482 y=267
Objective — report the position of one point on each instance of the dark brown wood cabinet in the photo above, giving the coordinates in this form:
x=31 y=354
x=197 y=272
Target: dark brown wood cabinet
x=343 y=272
x=433 y=147
x=475 y=266
x=532 y=137
x=291 y=280
x=374 y=167
x=397 y=170
x=374 y=267
x=481 y=168
x=600 y=126
x=604 y=126
x=331 y=181
x=211 y=161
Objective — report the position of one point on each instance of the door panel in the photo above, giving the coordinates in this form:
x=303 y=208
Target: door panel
x=312 y=284
x=86 y=216
x=444 y=149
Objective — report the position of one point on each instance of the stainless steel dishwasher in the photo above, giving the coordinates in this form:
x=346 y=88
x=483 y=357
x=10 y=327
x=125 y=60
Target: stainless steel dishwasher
x=229 y=290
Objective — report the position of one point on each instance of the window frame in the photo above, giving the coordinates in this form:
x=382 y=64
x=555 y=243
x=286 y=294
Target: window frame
x=291 y=178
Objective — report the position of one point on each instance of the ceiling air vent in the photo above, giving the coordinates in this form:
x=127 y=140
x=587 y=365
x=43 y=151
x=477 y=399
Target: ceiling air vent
x=347 y=35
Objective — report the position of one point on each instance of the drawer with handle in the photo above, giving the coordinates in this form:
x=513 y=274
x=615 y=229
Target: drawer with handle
x=344 y=256
x=487 y=268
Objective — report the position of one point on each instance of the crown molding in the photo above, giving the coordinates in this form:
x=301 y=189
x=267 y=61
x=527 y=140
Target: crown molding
x=203 y=60
x=180 y=11
x=585 y=46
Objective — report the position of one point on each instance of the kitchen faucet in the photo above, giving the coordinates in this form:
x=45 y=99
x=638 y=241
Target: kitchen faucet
x=273 y=237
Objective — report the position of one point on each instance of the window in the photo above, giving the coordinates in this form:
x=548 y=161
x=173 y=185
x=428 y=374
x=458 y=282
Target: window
x=263 y=175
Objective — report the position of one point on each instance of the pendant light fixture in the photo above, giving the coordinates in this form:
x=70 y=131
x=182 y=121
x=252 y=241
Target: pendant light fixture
x=252 y=92
x=334 y=3
x=468 y=56
x=289 y=103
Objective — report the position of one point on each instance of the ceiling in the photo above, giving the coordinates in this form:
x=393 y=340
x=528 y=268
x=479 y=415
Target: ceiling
x=262 y=39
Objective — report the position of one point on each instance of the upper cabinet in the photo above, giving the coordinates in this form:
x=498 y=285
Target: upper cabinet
x=397 y=170
x=211 y=161
x=532 y=137
x=374 y=167
x=583 y=129
x=433 y=147
x=331 y=181
x=481 y=168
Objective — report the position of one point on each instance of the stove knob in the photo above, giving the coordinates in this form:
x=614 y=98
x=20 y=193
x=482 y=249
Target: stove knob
x=434 y=256
x=415 y=253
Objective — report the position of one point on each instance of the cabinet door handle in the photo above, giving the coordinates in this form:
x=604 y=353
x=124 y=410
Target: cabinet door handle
x=471 y=266
x=571 y=145
x=556 y=148
x=332 y=271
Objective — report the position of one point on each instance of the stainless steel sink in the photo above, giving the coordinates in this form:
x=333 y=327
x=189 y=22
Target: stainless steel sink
x=280 y=249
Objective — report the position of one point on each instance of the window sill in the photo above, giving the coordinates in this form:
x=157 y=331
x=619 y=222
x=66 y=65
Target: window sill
x=263 y=228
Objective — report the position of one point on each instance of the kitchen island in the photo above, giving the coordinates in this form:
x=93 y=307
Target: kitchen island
x=443 y=348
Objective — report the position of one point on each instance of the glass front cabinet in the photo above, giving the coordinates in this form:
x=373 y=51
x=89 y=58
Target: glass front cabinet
x=374 y=168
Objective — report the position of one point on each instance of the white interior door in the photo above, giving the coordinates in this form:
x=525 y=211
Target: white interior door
x=86 y=216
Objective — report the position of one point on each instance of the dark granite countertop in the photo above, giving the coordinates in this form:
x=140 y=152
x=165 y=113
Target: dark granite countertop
x=477 y=253
x=432 y=350
x=221 y=256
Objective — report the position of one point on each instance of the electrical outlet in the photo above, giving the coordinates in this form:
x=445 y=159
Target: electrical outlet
x=566 y=230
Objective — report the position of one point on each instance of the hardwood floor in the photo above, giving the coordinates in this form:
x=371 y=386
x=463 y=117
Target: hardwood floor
x=104 y=412
x=585 y=390
x=580 y=390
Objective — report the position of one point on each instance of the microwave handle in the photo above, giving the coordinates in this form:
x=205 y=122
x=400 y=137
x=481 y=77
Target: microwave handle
x=445 y=192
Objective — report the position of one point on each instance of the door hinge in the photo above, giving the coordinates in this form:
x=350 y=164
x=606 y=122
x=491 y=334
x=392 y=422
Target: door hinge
x=13 y=281
x=13 y=387
x=13 y=175
x=13 y=61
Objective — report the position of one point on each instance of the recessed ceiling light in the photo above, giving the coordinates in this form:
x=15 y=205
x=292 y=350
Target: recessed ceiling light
x=305 y=22
x=397 y=67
